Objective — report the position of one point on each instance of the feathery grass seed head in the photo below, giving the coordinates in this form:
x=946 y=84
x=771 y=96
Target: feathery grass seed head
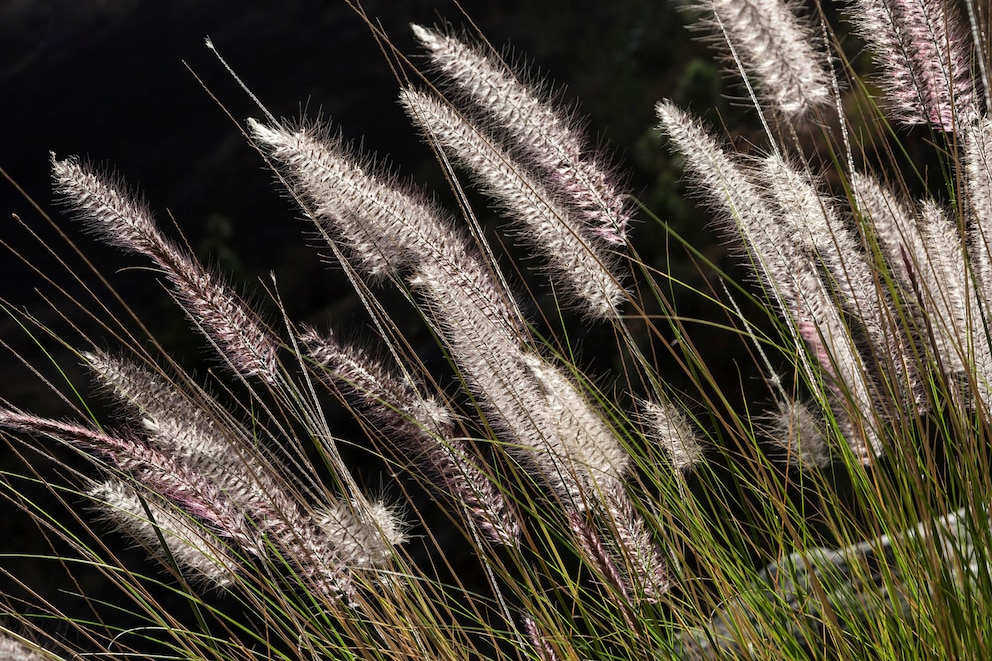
x=362 y=538
x=922 y=48
x=188 y=542
x=671 y=429
x=113 y=213
x=772 y=44
x=534 y=129
x=107 y=208
x=579 y=435
x=384 y=225
x=167 y=413
x=978 y=170
x=795 y=429
x=584 y=269
x=13 y=650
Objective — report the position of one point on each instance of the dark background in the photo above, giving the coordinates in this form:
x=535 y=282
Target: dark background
x=106 y=80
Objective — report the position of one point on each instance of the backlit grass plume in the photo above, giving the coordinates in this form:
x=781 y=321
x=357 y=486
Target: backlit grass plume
x=516 y=499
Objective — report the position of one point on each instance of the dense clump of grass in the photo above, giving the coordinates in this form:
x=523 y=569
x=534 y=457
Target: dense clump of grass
x=841 y=511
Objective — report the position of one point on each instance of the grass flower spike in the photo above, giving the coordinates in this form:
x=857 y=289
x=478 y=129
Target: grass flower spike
x=927 y=61
x=768 y=41
x=112 y=213
x=535 y=130
x=207 y=558
x=15 y=651
x=575 y=260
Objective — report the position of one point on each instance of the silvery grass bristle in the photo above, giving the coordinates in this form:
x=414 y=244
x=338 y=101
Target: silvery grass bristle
x=769 y=41
x=926 y=60
x=122 y=220
x=204 y=558
x=420 y=427
x=539 y=133
x=14 y=650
